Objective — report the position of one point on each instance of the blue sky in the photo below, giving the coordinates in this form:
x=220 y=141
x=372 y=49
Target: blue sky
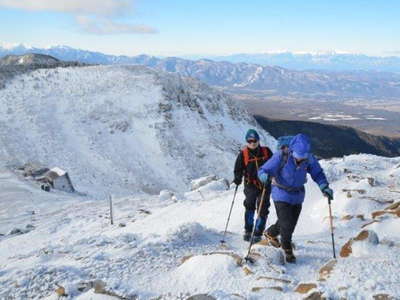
x=178 y=27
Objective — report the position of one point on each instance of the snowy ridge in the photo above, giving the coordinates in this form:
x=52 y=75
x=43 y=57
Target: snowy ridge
x=121 y=129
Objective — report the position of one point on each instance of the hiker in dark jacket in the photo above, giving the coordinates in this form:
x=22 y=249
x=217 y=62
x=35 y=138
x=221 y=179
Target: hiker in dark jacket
x=288 y=170
x=247 y=164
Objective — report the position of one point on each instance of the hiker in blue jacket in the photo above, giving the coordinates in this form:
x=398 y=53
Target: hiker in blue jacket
x=288 y=170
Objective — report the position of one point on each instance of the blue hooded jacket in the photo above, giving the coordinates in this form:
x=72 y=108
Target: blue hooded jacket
x=290 y=175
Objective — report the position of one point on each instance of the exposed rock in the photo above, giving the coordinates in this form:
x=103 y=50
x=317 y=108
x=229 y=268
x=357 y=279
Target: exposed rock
x=247 y=271
x=369 y=223
x=15 y=231
x=382 y=297
x=144 y=211
x=361 y=217
x=346 y=249
x=122 y=225
x=61 y=291
x=201 y=297
x=317 y=295
x=239 y=296
x=326 y=269
x=100 y=288
x=360 y=191
x=277 y=288
x=272 y=278
x=304 y=288
x=378 y=200
x=347 y=217
x=371 y=181
x=365 y=235
x=394 y=206
x=259 y=288
x=378 y=213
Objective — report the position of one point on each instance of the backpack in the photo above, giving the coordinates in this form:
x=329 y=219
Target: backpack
x=284 y=141
x=283 y=146
x=246 y=159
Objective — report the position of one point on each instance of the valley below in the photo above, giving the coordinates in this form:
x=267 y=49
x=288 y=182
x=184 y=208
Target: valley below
x=377 y=117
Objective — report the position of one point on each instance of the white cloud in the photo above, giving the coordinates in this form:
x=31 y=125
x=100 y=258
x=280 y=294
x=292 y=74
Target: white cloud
x=91 y=7
x=104 y=26
x=92 y=16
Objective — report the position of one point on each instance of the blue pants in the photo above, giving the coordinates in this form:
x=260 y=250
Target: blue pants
x=253 y=202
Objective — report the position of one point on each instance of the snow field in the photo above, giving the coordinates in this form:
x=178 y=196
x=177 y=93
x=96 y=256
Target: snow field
x=163 y=251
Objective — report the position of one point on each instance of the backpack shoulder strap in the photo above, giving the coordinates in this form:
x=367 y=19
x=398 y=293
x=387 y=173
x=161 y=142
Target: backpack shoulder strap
x=246 y=156
x=265 y=152
x=284 y=159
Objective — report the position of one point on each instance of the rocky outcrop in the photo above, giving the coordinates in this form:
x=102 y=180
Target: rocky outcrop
x=304 y=288
x=368 y=236
x=327 y=269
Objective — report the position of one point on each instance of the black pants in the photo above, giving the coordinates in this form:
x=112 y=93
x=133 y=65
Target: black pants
x=288 y=215
x=251 y=203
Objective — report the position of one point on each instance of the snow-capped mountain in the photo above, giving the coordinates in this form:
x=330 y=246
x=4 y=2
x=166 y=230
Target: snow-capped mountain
x=329 y=61
x=247 y=76
x=28 y=59
x=121 y=128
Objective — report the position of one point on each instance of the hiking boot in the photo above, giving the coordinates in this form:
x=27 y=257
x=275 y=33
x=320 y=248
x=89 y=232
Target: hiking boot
x=290 y=258
x=257 y=238
x=247 y=236
x=272 y=240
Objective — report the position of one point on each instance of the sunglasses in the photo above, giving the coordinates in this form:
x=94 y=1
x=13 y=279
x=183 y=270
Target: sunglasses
x=252 y=141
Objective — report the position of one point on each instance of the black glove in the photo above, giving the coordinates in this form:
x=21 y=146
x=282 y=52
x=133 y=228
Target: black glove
x=237 y=181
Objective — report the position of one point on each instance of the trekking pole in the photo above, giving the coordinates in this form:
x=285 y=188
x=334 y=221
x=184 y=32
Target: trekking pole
x=248 y=258
x=229 y=216
x=331 y=224
x=111 y=210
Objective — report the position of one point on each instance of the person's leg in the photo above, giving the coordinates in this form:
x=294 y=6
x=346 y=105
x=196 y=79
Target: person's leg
x=296 y=209
x=250 y=207
x=288 y=215
x=284 y=213
x=271 y=234
x=263 y=205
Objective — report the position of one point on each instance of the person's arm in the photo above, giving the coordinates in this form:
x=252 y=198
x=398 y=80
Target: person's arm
x=271 y=166
x=239 y=169
x=318 y=175
x=316 y=172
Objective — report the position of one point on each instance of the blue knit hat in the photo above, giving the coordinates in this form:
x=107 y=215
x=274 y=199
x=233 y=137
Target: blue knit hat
x=252 y=134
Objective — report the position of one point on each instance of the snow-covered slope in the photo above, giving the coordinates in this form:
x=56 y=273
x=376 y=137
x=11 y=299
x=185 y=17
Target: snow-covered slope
x=166 y=248
x=119 y=129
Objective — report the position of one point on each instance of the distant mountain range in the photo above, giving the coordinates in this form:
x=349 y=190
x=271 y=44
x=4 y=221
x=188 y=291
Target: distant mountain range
x=247 y=77
x=330 y=61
